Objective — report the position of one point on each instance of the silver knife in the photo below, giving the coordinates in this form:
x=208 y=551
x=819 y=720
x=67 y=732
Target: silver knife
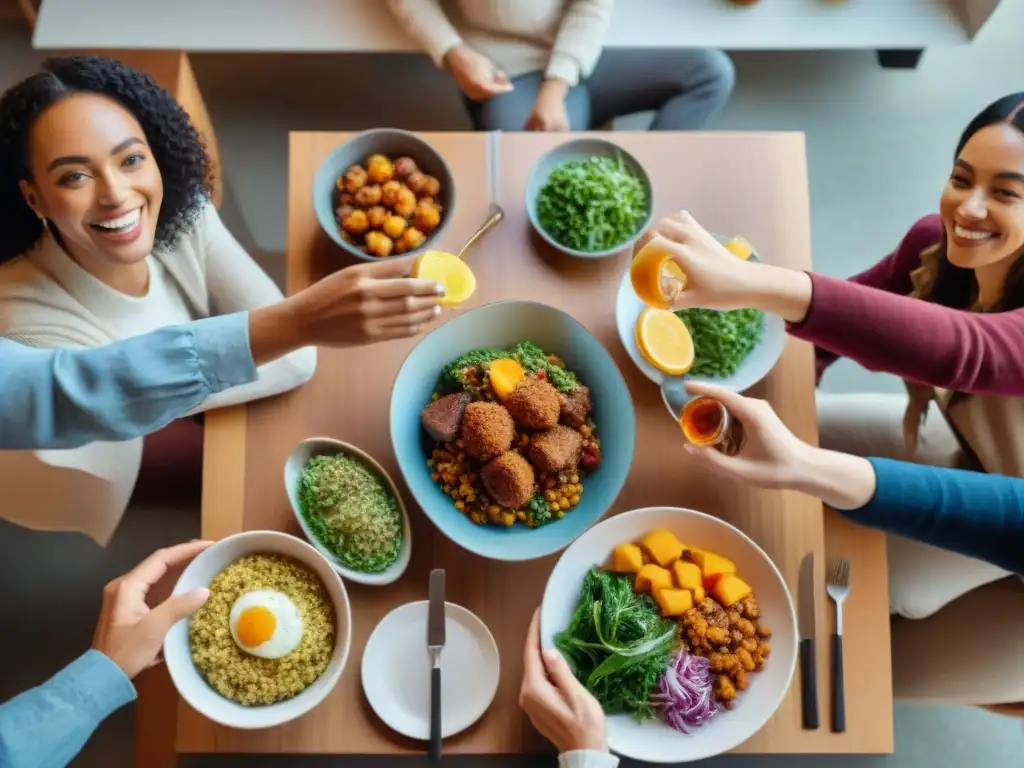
x=435 y=642
x=806 y=605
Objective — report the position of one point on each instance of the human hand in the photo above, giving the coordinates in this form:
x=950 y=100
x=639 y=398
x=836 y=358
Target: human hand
x=549 y=110
x=564 y=712
x=771 y=457
x=130 y=633
x=475 y=74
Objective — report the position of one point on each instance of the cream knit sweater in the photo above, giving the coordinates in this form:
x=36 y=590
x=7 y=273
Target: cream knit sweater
x=47 y=300
x=562 y=38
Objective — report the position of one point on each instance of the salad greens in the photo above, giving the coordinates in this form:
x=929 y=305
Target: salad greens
x=618 y=644
x=593 y=204
x=351 y=511
x=529 y=355
x=722 y=340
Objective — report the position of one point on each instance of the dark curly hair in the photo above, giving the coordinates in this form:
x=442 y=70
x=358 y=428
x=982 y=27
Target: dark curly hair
x=177 y=148
x=955 y=286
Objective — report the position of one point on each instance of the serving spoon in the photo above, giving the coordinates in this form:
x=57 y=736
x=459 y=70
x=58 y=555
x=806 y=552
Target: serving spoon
x=674 y=395
x=496 y=214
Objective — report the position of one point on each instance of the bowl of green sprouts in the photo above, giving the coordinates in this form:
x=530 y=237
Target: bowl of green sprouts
x=589 y=198
x=349 y=509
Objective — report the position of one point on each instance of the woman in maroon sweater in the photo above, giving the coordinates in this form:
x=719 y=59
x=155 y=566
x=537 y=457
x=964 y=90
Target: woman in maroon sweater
x=944 y=311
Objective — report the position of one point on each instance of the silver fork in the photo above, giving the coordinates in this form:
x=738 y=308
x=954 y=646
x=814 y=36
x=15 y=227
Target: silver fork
x=837 y=580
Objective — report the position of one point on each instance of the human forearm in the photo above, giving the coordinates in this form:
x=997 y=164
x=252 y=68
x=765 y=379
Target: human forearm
x=46 y=727
x=426 y=23
x=587 y=758
x=840 y=480
x=579 y=40
x=778 y=291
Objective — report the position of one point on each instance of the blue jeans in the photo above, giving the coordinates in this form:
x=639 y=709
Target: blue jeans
x=686 y=87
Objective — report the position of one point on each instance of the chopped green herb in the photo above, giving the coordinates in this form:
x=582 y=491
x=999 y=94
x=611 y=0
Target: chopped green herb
x=593 y=204
x=722 y=340
x=529 y=355
x=351 y=511
x=617 y=644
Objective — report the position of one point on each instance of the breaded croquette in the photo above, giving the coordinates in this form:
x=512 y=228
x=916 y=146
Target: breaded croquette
x=508 y=479
x=556 y=450
x=534 y=404
x=487 y=430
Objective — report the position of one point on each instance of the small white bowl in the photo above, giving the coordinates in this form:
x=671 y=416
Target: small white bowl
x=326 y=446
x=178 y=653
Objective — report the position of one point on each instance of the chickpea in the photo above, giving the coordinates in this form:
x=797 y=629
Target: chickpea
x=416 y=181
x=343 y=211
x=404 y=167
x=405 y=205
x=354 y=179
x=379 y=244
x=460 y=506
x=431 y=187
x=389 y=192
x=554 y=506
x=377 y=215
x=411 y=239
x=574 y=479
x=575 y=499
x=356 y=223
x=394 y=226
x=427 y=217
x=368 y=196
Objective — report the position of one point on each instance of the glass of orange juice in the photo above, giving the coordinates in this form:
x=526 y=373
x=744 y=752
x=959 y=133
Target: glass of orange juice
x=657 y=279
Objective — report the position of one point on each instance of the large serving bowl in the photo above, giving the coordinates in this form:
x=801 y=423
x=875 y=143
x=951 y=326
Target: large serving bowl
x=502 y=325
x=387 y=141
x=581 y=149
x=326 y=446
x=178 y=654
x=654 y=741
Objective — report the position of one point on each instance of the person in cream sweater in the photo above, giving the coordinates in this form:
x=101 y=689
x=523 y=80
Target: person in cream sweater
x=109 y=234
x=537 y=65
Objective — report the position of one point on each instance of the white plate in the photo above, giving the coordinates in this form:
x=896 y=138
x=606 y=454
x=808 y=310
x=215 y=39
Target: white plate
x=756 y=366
x=654 y=741
x=396 y=670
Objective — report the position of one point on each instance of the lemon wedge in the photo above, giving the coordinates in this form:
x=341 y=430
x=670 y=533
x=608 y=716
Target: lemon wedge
x=665 y=341
x=450 y=271
x=740 y=248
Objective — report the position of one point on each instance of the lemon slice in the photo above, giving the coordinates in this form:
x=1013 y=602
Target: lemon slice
x=664 y=341
x=740 y=248
x=450 y=271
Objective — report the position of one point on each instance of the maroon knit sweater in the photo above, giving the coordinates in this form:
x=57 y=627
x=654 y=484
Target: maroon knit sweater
x=871 y=320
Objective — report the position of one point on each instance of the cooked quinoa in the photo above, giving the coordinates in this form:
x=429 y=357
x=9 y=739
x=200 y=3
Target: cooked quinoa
x=247 y=679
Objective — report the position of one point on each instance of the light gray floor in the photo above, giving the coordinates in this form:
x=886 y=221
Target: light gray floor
x=879 y=145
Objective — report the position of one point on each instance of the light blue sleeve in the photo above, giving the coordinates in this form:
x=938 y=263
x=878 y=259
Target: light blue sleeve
x=973 y=513
x=46 y=727
x=70 y=397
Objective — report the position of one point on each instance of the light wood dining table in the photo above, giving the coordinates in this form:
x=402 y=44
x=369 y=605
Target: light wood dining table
x=749 y=184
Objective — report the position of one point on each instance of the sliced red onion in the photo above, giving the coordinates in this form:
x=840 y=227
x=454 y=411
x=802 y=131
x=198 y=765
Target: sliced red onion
x=685 y=692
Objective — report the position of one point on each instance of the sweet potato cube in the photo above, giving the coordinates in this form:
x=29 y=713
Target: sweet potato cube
x=673 y=602
x=652 y=577
x=687 y=575
x=699 y=594
x=712 y=564
x=663 y=547
x=627 y=558
x=505 y=375
x=731 y=589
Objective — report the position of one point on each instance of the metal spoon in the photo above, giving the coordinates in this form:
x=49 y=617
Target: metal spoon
x=496 y=215
x=674 y=395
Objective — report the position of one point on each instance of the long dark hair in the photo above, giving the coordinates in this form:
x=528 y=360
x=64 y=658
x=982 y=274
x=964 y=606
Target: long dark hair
x=177 y=149
x=956 y=286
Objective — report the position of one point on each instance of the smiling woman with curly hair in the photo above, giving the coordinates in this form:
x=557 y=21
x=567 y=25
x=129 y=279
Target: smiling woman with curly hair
x=109 y=233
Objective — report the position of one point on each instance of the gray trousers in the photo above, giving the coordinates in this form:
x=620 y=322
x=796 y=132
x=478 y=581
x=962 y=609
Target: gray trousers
x=686 y=87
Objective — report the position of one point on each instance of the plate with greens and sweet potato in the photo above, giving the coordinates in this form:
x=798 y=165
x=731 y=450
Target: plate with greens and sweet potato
x=680 y=626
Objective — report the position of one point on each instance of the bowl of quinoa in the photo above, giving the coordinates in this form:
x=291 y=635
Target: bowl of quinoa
x=350 y=510
x=240 y=690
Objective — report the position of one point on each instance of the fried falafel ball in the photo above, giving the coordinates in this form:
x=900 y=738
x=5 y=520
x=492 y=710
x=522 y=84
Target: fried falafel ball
x=487 y=430
x=394 y=226
x=509 y=480
x=405 y=203
x=379 y=244
x=404 y=167
x=557 y=450
x=380 y=169
x=427 y=217
x=356 y=223
x=389 y=193
x=534 y=404
x=377 y=215
x=431 y=187
x=354 y=179
x=411 y=239
x=416 y=181
x=343 y=211
x=368 y=196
